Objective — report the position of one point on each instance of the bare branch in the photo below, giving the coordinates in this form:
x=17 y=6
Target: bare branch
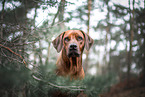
x=21 y=44
x=14 y=53
x=11 y=58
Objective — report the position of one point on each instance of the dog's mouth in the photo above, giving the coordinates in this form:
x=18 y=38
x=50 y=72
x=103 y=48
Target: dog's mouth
x=73 y=53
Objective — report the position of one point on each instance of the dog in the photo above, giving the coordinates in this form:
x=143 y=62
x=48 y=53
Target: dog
x=71 y=44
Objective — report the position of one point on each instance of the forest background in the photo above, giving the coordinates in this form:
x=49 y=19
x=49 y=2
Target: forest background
x=27 y=57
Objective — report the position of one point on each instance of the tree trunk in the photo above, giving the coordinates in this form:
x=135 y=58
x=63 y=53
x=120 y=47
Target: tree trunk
x=25 y=33
x=2 y=16
x=106 y=48
x=40 y=53
x=88 y=29
x=107 y=40
x=61 y=13
x=34 y=62
x=33 y=43
x=1 y=27
x=48 y=52
x=131 y=39
x=106 y=55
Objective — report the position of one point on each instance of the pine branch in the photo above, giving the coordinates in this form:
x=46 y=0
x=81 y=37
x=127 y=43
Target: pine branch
x=77 y=88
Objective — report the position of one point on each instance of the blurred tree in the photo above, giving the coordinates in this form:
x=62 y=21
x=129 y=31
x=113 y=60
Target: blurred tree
x=131 y=37
x=139 y=37
x=1 y=25
x=106 y=25
x=88 y=30
x=34 y=47
x=61 y=13
x=108 y=28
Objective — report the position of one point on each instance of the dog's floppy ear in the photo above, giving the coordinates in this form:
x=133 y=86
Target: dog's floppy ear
x=88 y=41
x=58 y=42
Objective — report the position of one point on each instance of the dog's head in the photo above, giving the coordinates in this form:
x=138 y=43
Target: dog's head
x=73 y=42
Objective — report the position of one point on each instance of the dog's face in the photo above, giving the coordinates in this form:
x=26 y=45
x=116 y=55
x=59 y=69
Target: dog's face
x=73 y=42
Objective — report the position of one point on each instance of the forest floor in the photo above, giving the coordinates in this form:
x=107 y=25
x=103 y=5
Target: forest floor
x=131 y=88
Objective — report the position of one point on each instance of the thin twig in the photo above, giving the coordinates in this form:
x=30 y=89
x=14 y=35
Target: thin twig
x=14 y=53
x=21 y=44
x=11 y=58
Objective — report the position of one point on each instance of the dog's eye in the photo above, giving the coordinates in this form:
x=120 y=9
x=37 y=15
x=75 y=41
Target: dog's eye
x=79 y=38
x=66 y=39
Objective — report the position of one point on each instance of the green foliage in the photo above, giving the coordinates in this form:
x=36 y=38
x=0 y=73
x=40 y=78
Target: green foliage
x=91 y=85
x=13 y=77
x=42 y=81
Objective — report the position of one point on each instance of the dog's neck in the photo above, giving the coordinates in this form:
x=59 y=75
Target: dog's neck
x=73 y=64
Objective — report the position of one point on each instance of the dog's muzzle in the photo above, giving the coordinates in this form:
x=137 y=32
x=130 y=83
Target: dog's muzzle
x=73 y=50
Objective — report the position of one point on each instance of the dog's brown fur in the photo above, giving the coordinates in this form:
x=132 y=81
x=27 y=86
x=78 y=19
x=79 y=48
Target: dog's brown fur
x=68 y=64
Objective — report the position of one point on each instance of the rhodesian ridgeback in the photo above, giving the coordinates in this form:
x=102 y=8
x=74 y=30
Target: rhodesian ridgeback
x=71 y=44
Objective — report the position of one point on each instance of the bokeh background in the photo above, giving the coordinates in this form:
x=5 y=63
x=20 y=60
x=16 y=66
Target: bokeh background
x=114 y=64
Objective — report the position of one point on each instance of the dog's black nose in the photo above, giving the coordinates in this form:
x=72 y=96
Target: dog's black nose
x=73 y=46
